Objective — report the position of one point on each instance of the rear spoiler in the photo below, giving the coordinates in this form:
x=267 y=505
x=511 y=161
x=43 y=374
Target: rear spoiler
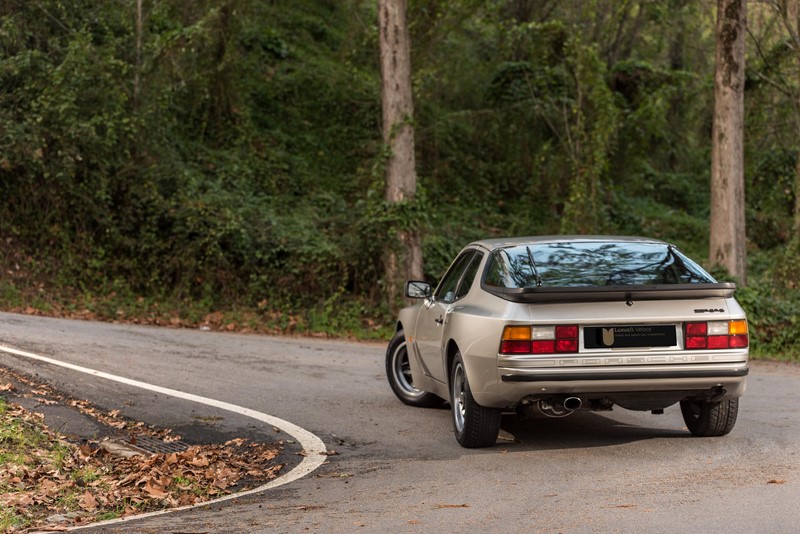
x=544 y=295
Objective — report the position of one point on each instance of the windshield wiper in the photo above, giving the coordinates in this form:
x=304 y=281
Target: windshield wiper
x=672 y=251
x=533 y=265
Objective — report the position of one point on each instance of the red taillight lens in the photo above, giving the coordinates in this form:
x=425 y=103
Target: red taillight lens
x=696 y=329
x=738 y=342
x=716 y=335
x=566 y=345
x=718 y=342
x=696 y=342
x=515 y=347
x=567 y=332
x=544 y=347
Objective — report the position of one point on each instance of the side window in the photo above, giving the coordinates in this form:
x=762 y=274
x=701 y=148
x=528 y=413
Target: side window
x=497 y=273
x=446 y=292
x=469 y=276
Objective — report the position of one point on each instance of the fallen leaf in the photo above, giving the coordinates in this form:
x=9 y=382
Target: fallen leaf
x=7 y=387
x=88 y=502
x=127 y=485
x=155 y=491
x=199 y=462
x=440 y=506
x=777 y=481
x=24 y=500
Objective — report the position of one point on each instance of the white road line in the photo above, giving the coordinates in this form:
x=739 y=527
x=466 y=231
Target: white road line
x=313 y=447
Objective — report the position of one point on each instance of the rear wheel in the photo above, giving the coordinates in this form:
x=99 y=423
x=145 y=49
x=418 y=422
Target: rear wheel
x=474 y=425
x=710 y=418
x=398 y=371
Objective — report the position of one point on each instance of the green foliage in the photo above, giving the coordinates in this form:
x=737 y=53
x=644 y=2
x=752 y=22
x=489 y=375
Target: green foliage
x=201 y=184
x=592 y=138
x=645 y=216
x=774 y=317
x=770 y=198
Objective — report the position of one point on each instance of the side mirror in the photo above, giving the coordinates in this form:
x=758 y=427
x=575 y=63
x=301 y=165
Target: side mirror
x=418 y=290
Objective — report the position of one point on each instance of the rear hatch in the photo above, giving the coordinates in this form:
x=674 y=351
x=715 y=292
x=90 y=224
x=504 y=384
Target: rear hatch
x=601 y=295
x=652 y=332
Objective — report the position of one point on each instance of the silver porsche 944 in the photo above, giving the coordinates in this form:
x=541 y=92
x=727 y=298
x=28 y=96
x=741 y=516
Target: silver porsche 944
x=559 y=324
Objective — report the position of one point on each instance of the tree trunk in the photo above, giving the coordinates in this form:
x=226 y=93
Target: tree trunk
x=398 y=134
x=137 y=69
x=792 y=21
x=796 y=226
x=727 y=243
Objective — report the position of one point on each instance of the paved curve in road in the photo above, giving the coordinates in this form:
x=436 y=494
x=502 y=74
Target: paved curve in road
x=399 y=469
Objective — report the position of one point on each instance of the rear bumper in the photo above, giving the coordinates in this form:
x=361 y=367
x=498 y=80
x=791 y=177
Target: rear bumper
x=508 y=386
x=659 y=374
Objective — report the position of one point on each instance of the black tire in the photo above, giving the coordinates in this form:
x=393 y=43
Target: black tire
x=398 y=371
x=474 y=425
x=710 y=418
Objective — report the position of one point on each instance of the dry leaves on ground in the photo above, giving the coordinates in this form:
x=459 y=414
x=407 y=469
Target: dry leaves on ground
x=47 y=482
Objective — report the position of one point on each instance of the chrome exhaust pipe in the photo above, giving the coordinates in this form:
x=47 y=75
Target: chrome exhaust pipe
x=573 y=403
x=559 y=407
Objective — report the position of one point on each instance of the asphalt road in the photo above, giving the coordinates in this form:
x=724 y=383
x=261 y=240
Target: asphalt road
x=399 y=469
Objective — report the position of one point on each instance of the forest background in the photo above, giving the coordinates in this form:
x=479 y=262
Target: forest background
x=220 y=163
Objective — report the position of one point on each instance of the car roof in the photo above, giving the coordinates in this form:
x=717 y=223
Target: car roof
x=503 y=242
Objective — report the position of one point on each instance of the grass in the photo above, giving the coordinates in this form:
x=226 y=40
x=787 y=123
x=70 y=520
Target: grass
x=10 y=520
x=24 y=448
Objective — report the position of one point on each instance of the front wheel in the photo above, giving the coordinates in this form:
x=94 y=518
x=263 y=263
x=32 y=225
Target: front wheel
x=474 y=425
x=398 y=371
x=710 y=418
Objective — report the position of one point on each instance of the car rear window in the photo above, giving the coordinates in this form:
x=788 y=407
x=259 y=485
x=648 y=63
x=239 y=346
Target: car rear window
x=581 y=264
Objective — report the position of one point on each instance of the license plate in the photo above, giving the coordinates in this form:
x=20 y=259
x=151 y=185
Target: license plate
x=628 y=336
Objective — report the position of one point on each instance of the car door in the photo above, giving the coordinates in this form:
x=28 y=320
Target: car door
x=433 y=314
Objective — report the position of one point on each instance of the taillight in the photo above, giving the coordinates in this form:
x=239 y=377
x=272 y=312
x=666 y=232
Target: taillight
x=716 y=335
x=561 y=339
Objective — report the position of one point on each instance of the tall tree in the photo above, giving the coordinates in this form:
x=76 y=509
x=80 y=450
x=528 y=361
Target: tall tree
x=398 y=135
x=727 y=243
x=790 y=14
x=137 y=68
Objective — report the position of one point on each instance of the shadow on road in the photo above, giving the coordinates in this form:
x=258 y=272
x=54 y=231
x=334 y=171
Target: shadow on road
x=580 y=430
